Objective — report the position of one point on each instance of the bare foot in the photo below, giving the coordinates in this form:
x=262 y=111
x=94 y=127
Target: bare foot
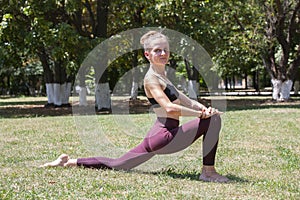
x=210 y=175
x=62 y=160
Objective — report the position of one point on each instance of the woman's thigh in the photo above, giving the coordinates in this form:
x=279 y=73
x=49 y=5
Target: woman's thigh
x=185 y=135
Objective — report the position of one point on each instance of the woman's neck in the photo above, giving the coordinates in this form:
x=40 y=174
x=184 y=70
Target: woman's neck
x=160 y=70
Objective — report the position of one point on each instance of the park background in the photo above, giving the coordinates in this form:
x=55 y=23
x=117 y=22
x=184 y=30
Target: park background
x=255 y=49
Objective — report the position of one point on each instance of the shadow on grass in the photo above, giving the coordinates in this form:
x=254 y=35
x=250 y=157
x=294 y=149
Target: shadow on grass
x=20 y=103
x=234 y=178
x=195 y=176
x=33 y=111
x=192 y=175
x=32 y=108
x=19 y=109
x=254 y=103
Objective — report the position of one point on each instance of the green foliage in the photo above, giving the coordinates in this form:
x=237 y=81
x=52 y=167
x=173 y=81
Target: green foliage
x=233 y=32
x=238 y=39
x=42 y=28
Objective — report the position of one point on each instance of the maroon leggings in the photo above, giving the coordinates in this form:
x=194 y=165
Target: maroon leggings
x=165 y=137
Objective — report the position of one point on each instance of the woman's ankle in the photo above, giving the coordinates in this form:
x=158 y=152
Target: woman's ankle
x=71 y=163
x=208 y=169
x=210 y=174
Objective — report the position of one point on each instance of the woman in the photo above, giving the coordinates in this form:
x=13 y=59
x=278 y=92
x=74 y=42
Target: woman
x=166 y=136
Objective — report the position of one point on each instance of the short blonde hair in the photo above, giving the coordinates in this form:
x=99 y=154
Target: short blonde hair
x=148 y=37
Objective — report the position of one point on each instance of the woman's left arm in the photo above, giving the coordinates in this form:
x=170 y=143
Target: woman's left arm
x=190 y=103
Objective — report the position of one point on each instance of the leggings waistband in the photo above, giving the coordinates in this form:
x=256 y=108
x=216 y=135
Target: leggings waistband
x=168 y=122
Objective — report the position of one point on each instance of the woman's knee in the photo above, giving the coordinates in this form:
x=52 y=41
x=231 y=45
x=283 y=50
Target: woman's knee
x=215 y=124
x=216 y=119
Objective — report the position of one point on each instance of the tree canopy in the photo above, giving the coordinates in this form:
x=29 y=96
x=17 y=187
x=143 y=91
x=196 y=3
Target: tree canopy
x=54 y=36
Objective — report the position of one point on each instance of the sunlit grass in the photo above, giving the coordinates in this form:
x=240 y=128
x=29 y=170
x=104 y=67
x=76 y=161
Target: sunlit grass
x=259 y=151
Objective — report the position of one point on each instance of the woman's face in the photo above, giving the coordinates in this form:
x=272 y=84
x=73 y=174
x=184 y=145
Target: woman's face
x=159 y=53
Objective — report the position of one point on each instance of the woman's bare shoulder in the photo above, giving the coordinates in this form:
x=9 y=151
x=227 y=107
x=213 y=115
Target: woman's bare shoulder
x=150 y=79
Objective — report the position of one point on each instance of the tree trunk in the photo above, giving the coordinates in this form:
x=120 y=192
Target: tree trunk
x=171 y=71
x=193 y=88
x=82 y=96
x=134 y=85
x=281 y=86
x=257 y=81
x=102 y=89
x=66 y=92
x=58 y=89
x=60 y=93
x=246 y=80
x=102 y=18
x=282 y=25
x=281 y=90
x=233 y=82
x=134 y=90
x=57 y=94
x=296 y=87
x=102 y=94
x=61 y=88
x=183 y=84
x=193 y=83
x=50 y=93
x=226 y=83
x=81 y=88
x=286 y=90
x=48 y=75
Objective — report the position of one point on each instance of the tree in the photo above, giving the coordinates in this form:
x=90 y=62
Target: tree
x=232 y=39
x=238 y=35
x=186 y=17
x=131 y=15
x=282 y=51
x=121 y=15
x=259 y=33
x=103 y=101
x=42 y=30
x=193 y=83
x=12 y=28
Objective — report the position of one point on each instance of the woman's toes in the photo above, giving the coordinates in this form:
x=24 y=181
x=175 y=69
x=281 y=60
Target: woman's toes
x=60 y=161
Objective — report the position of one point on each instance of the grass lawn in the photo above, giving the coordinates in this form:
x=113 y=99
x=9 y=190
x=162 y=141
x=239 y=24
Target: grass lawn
x=259 y=151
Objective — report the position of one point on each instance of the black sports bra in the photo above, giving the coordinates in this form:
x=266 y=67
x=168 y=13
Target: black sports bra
x=171 y=93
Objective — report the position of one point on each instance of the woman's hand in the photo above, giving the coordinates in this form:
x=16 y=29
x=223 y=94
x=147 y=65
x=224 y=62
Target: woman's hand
x=208 y=112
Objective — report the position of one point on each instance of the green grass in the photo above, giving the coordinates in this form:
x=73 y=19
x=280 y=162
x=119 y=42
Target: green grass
x=259 y=151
